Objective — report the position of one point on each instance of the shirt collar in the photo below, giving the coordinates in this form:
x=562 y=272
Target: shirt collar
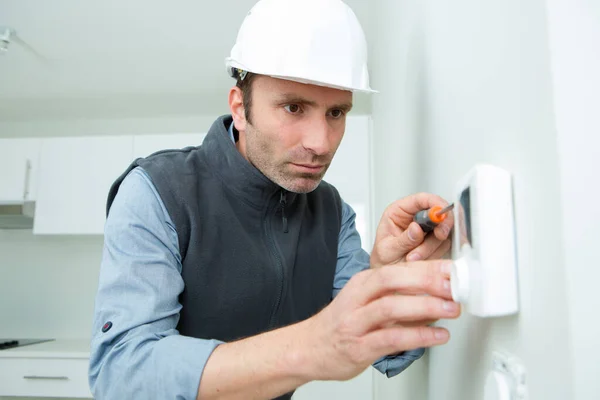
x=230 y=130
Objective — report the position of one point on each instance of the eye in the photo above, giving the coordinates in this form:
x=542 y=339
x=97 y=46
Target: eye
x=337 y=113
x=293 y=108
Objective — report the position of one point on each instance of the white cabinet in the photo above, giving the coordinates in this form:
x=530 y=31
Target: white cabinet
x=358 y=388
x=75 y=176
x=77 y=172
x=15 y=179
x=53 y=369
x=144 y=145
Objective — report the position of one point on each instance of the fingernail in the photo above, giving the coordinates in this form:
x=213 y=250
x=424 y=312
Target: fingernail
x=441 y=334
x=450 y=306
x=446 y=230
x=414 y=257
x=447 y=268
x=446 y=285
x=412 y=232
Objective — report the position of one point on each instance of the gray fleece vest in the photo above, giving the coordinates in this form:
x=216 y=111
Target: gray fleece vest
x=254 y=256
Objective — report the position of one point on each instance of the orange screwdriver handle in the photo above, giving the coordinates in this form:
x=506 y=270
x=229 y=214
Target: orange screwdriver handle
x=429 y=219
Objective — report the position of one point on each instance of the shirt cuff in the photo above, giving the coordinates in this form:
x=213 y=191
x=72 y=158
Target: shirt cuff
x=181 y=361
x=393 y=365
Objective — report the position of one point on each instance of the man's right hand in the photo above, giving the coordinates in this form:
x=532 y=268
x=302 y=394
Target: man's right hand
x=379 y=312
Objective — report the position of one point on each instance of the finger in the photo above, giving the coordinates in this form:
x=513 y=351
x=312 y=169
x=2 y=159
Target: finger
x=446 y=286
x=390 y=309
x=415 y=203
x=397 y=339
x=385 y=252
x=425 y=251
x=430 y=277
x=411 y=323
x=399 y=214
x=402 y=211
x=443 y=252
x=394 y=248
x=444 y=229
x=446 y=265
x=420 y=323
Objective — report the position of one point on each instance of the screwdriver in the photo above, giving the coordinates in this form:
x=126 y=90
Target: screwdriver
x=429 y=219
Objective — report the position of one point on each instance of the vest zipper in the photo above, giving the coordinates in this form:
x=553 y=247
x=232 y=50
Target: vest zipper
x=276 y=255
x=282 y=203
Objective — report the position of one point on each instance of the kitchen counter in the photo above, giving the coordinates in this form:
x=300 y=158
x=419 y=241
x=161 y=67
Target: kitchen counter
x=60 y=348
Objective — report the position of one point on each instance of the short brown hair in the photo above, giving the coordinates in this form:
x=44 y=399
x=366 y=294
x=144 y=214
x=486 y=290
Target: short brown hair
x=245 y=84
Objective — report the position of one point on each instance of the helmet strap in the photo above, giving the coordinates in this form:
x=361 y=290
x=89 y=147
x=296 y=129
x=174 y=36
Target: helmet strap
x=241 y=74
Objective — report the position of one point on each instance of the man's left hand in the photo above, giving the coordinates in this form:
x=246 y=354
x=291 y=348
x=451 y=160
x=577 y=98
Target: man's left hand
x=398 y=238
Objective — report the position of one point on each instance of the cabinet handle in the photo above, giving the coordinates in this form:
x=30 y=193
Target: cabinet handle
x=27 y=179
x=56 y=378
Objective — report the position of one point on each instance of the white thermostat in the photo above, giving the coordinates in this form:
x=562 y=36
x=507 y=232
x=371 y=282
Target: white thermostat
x=484 y=274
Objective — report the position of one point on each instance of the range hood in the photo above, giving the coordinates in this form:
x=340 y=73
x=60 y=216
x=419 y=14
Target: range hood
x=16 y=208
x=17 y=216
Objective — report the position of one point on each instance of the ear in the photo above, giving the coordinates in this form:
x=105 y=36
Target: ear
x=236 y=106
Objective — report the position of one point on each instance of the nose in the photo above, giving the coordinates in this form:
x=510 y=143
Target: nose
x=317 y=137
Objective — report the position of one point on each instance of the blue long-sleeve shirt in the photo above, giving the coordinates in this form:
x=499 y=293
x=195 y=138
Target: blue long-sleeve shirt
x=136 y=350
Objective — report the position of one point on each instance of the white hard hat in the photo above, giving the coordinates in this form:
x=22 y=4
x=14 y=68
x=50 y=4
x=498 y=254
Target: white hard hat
x=319 y=42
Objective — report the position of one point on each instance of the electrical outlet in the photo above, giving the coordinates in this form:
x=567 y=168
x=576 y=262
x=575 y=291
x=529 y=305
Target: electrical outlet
x=507 y=380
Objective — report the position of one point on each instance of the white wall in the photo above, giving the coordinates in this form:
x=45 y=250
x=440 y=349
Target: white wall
x=490 y=99
x=47 y=285
x=480 y=92
x=574 y=29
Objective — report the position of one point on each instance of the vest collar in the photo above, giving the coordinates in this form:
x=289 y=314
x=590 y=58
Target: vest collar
x=241 y=177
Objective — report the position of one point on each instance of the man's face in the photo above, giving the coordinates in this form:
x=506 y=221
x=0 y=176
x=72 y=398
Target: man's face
x=295 y=131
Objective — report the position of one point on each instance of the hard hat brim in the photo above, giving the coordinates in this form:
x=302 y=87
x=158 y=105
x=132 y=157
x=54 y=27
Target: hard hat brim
x=232 y=64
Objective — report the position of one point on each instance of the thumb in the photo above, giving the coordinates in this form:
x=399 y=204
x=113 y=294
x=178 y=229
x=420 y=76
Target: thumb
x=394 y=248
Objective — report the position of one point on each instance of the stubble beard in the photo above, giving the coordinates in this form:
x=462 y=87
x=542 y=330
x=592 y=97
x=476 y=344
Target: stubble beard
x=261 y=155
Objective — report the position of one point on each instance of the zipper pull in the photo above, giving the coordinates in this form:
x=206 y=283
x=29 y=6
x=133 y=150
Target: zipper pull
x=282 y=203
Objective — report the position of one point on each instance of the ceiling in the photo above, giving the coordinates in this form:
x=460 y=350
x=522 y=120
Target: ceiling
x=122 y=58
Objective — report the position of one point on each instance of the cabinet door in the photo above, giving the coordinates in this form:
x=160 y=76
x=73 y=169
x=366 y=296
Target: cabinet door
x=358 y=388
x=144 y=145
x=44 y=377
x=15 y=179
x=75 y=176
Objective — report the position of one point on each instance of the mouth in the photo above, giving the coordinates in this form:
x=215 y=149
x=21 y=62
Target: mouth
x=312 y=168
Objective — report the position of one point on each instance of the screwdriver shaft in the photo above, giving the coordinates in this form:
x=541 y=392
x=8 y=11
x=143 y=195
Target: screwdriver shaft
x=445 y=210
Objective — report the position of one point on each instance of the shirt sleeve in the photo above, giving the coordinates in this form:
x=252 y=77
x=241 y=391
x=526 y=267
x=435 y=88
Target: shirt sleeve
x=352 y=258
x=136 y=350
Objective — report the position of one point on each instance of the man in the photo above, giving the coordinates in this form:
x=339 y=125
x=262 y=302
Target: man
x=231 y=270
